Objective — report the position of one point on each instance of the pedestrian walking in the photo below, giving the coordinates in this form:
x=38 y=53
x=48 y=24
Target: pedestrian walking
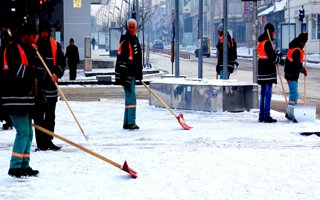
x=93 y=42
x=292 y=69
x=47 y=97
x=17 y=97
x=72 y=56
x=268 y=58
x=128 y=70
x=232 y=53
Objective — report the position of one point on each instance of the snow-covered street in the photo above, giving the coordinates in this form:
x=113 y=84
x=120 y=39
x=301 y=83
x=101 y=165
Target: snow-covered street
x=225 y=156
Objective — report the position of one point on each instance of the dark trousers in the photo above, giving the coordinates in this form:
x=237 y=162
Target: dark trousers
x=72 y=71
x=265 y=101
x=45 y=117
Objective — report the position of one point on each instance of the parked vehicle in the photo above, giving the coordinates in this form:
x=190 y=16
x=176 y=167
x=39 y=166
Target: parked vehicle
x=157 y=44
x=205 y=47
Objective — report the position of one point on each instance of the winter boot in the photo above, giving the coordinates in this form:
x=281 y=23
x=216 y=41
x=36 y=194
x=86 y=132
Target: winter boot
x=270 y=120
x=30 y=172
x=15 y=172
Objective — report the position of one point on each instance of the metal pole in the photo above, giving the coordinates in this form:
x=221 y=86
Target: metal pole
x=200 y=26
x=225 y=38
x=177 y=35
x=255 y=96
x=254 y=39
x=142 y=24
x=289 y=19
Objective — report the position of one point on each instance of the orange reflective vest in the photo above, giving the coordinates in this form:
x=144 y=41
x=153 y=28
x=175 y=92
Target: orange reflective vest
x=260 y=50
x=54 y=47
x=221 y=41
x=290 y=52
x=23 y=57
x=130 y=50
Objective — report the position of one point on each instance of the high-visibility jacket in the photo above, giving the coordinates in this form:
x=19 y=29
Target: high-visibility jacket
x=17 y=79
x=260 y=50
x=290 y=52
x=23 y=57
x=129 y=60
x=294 y=64
x=54 y=47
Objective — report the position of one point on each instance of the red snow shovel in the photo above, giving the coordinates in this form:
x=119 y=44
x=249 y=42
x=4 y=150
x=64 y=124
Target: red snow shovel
x=179 y=117
x=124 y=167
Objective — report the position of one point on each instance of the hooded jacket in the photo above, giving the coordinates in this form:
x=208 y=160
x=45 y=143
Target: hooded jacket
x=293 y=65
x=267 y=65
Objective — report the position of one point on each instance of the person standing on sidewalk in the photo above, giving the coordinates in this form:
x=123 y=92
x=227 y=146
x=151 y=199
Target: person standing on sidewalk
x=44 y=116
x=292 y=69
x=128 y=70
x=267 y=73
x=18 y=97
x=72 y=55
x=232 y=53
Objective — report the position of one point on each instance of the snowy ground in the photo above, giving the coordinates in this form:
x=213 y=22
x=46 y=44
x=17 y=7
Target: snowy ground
x=225 y=156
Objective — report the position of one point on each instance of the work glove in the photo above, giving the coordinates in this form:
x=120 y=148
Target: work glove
x=279 y=53
x=304 y=71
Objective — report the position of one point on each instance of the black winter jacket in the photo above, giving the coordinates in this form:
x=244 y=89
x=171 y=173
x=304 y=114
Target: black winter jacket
x=293 y=69
x=45 y=84
x=17 y=83
x=267 y=72
x=232 y=54
x=127 y=69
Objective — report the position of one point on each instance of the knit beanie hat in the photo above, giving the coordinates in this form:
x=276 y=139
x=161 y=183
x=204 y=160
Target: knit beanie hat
x=220 y=28
x=269 y=27
x=303 y=37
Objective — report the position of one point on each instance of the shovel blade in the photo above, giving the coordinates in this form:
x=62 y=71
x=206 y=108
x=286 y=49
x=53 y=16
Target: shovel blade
x=182 y=123
x=303 y=113
x=126 y=168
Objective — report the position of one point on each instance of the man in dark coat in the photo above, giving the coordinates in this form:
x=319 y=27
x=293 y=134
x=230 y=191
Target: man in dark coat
x=52 y=54
x=267 y=73
x=293 y=68
x=128 y=70
x=72 y=55
x=18 y=97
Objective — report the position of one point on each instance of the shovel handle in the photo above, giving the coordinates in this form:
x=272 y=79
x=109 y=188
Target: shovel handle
x=77 y=145
x=278 y=71
x=159 y=99
x=60 y=92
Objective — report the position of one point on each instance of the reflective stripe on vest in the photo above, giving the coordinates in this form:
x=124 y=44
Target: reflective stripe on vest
x=260 y=50
x=290 y=52
x=23 y=57
x=130 y=50
x=54 y=47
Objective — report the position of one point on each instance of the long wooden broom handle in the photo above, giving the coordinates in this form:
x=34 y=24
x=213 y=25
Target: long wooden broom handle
x=278 y=71
x=159 y=99
x=60 y=92
x=77 y=145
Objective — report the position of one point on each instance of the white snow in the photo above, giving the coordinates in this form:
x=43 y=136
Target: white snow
x=225 y=156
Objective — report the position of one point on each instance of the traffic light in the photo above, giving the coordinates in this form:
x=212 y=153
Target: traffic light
x=301 y=14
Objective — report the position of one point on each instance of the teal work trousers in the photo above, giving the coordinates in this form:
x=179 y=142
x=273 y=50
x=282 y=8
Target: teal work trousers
x=130 y=104
x=20 y=157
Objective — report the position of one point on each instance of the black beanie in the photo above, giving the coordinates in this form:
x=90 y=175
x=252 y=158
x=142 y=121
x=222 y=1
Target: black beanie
x=28 y=29
x=44 y=26
x=270 y=27
x=303 y=37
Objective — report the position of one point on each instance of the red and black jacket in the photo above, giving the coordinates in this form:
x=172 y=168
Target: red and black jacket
x=293 y=65
x=17 y=75
x=129 y=60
